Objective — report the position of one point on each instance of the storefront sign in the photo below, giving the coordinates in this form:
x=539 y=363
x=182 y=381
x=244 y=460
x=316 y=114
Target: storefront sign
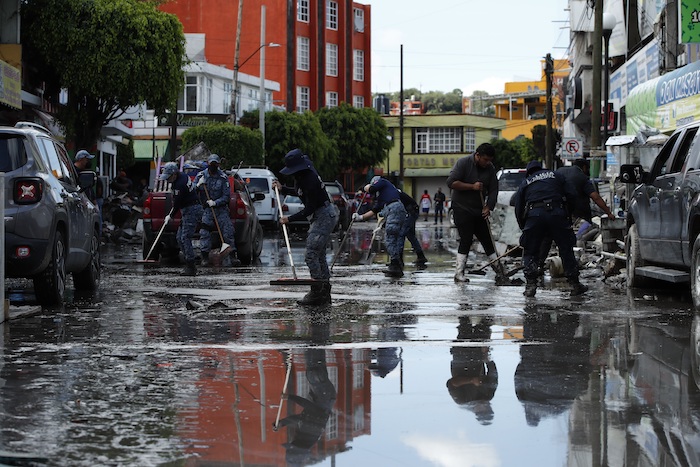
x=690 y=22
x=192 y=120
x=10 y=86
x=431 y=161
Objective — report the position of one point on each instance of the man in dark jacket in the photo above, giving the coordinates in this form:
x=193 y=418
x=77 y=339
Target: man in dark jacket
x=322 y=215
x=542 y=205
x=409 y=231
x=185 y=199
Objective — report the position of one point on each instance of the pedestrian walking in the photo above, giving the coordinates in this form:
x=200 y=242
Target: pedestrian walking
x=96 y=194
x=322 y=215
x=387 y=204
x=474 y=193
x=425 y=203
x=576 y=175
x=186 y=201
x=409 y=231
x=542 y=205
x=439 y=199
x=215 y=191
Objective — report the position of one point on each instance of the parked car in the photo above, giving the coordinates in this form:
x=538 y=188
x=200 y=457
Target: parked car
x=663 y=214
x=508 y=182
x=292 y=205
x=259 y=180
x=52 y=229
x=337 y=194
x=248 y=231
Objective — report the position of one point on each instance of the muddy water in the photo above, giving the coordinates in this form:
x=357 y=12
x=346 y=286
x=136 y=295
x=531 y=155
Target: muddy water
x=225 y=369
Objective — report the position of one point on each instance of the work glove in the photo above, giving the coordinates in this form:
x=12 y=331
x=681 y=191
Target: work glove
x=200 y=182
x=366 y=188
x=211 y=203
x=167 y=219
x=357 y=217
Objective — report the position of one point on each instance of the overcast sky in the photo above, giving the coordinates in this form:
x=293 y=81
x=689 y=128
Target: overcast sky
x=470 y=45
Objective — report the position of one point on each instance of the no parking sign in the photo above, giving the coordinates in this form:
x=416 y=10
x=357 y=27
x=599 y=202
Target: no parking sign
x=571 y=148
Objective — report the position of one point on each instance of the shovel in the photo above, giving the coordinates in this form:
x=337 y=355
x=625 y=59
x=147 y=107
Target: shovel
x=370 y=255
x=345 y=237
x=294 y=280
x=276 y=425
x=225 y=247
x=155 y=242
x=480 y=271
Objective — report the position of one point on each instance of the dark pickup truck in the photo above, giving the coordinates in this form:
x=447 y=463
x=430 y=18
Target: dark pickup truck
x=663 y=214
x=249 y=232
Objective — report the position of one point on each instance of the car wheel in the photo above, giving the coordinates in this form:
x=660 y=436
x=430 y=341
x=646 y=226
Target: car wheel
x=50 y=284
x=246 y=250
x=634 y=258
x=695 y=274
x=89 y=278
x=257 y=242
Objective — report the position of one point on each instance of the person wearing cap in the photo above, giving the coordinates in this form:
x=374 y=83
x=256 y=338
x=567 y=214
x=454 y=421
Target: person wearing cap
x=577 y=175
x=215 y=191
x=474 y=194
x=322 y=215
x=542 y=206
x=387 y=204
x=409 y=230
x=186 y=201
x=82 y=160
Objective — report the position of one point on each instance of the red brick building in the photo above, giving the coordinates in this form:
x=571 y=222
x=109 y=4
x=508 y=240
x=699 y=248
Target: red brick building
x=324 y=58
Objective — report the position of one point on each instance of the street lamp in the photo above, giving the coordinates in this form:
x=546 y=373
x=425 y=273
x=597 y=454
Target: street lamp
x=609 y=22
x=234 y=91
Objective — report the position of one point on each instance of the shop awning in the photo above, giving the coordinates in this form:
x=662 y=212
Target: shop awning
x=143 y=148
x=436 y=172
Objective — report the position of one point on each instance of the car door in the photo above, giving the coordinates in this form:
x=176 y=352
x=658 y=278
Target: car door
x=689 y=190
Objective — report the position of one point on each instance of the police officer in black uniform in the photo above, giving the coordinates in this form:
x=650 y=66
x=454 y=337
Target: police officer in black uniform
x=542 y=206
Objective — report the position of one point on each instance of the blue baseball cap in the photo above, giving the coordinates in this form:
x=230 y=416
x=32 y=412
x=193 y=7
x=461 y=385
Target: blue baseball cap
x=295 y=161
x=83 y=154
x=169 y=170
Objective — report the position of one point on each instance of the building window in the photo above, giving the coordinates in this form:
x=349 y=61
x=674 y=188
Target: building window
x=470 y=140
x=331 y=59
x=358 y=63
x=495 y=134
x=438 y=140
x=227 y=97
x=208 y=100
x=303 y=10
x=303 y=53
x=358 y=102
x=331 y=99
x=187 y=102
x=359 y=20
x=302 y=98
x=358 y=418
x=331 y=15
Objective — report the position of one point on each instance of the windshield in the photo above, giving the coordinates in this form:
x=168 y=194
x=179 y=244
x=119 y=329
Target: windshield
x=510 y=181
x=257 y=185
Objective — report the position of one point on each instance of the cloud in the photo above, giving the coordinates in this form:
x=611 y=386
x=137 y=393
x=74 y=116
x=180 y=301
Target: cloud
x=458 y=452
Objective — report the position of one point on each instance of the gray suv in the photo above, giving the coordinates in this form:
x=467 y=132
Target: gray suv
x=51 y=227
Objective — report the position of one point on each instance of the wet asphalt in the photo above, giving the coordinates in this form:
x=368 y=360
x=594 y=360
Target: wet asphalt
x=226 y=369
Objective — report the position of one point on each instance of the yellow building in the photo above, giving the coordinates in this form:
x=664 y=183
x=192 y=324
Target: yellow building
x=523 y=103
x=432 y=144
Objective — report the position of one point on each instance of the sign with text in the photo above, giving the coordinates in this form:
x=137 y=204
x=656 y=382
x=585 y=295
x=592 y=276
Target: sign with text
x=571 y=148
x=10 y=85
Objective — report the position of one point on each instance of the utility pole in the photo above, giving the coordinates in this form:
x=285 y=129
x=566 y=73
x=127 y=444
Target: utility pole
x=597 y=59
x=261 y=112
x=234 y=89
x=549 y=153
x=401 y=125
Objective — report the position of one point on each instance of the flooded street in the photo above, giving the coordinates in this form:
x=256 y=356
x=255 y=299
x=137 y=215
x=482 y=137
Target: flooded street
x=226 y=369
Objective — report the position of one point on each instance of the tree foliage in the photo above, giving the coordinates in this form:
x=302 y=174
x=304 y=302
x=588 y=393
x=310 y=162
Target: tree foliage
x=107 y=54
x=285 y=131
x=234 y=144
x=513 y=154
x=360 y=135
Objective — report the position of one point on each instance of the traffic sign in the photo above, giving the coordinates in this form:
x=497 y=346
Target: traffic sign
x=571 y=148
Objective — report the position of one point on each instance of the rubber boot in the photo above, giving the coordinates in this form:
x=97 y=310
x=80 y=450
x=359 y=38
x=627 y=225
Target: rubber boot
x=540 y=277
x=316 y=296
x=577 y=288
x=530 y=287
x=394 y=269
x=327 y=293
x=501 y=276
x=461 y=265
x=421 y=260
x=235 y=262
x=190 y=269
x=205 y=259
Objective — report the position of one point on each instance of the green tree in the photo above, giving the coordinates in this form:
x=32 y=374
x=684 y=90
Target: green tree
x=482 y=104
x=107 y=54
x=234 y=144
x=360 y=135
x=513 y=154
x=285 y=131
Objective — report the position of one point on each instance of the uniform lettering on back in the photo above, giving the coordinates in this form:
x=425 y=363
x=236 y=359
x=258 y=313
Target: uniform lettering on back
x=540 y=176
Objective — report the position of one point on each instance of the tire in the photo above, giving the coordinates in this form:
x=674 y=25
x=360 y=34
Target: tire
x=695 y=273
x=89 y=278
x=50 y=284
x=247 y=250
x=634 y=258
x=257 y=242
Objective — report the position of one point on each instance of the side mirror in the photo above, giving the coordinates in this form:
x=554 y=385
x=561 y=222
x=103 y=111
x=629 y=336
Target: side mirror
x=87 y=179
x=632 y=173
x=258 y=196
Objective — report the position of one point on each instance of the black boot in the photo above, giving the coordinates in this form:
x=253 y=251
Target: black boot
x=395 y=269
x=577 y=288
x=530 y=287
x=421 y=260
x=501 y=276
x=317 y=295
x=190 y=269
x=235 y=262
x=205 y=258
